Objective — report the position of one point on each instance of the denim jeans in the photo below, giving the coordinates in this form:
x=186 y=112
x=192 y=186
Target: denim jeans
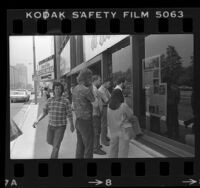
x=85 y=136
x=54 y=137
x=97 y=131
x=104 y=126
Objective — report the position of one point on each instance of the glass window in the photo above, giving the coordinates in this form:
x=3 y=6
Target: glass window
x=122 y=67
x=168 y=80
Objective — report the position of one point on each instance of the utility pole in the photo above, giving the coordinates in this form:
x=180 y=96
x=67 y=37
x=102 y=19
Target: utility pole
x=34 y=68
x=55 y=59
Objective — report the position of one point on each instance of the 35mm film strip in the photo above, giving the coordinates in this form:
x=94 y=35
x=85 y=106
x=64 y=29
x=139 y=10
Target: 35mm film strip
x=149 y=57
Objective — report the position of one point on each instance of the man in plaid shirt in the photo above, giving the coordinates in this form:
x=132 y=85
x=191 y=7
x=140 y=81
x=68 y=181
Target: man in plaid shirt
x=59 y=109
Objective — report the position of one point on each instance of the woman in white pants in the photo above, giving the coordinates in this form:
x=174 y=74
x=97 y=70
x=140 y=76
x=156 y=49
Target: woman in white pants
x=120 y=122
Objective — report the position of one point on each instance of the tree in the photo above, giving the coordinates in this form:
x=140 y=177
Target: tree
x=171 y=64
x=186 y=77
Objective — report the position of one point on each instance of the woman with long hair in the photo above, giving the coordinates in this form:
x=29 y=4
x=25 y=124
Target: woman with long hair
x=120 y=122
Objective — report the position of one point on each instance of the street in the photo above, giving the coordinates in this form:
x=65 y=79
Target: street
x=18 y=110
x=15 y=108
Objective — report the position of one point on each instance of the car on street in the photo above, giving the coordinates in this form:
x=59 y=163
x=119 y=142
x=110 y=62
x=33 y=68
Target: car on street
x=19 y=95
x=29 y=91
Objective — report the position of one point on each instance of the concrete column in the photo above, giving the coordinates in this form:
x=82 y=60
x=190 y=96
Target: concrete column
x=73 y=51
x=79 y=50
x=138 y=53
x=105 y=62
x=57 y=56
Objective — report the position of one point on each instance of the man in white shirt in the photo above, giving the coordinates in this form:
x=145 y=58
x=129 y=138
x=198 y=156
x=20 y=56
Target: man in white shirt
x=105 y=99
x=97 y=110
x=121 y=85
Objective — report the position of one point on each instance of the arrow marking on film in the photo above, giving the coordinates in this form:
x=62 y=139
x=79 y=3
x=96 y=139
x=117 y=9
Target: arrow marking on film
x=190 y=181
x=97 y=182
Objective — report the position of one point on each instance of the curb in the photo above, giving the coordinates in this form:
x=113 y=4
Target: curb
x=148 y=150
x=24 y=116
x=21 y=125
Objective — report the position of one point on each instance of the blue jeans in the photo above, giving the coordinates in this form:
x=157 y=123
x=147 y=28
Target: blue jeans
x=104 y=126
x=54 y=137
x=85 y=136
x=97 y=131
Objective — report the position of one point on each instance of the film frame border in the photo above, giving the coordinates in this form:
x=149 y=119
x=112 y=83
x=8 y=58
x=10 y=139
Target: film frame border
x=117 y=170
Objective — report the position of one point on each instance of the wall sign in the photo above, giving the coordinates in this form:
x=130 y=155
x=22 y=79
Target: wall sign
x=46 y=69
x=95 y=44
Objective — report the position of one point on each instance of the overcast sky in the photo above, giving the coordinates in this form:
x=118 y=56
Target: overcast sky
x=21 y=51
x=157 y=44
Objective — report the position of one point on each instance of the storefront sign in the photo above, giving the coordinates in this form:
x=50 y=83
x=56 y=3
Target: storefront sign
x=95 y=44
x=65 y=59
x=46 y=69
x=156 y=92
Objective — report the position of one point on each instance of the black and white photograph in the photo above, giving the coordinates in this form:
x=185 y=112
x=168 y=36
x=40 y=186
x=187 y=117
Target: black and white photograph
x=82 y=96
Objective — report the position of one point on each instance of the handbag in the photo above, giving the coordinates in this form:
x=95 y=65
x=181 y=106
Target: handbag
x=136 y=125
x=15 y=132
x=131 y=127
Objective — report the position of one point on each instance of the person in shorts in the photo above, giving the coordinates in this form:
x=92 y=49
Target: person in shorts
x=59 y=109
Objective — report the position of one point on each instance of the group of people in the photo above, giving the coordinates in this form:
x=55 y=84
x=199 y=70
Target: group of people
x=45 y=92
x=96 y=110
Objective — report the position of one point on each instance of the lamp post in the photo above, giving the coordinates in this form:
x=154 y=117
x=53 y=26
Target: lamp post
x=34 y=68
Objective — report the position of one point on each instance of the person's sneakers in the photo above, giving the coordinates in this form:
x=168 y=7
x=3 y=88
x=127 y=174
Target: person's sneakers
x=108 y=139
x=99 y=152
x=100 y=146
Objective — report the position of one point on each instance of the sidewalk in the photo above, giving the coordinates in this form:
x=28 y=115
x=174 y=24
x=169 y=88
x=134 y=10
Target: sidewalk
x=22 y=147
x=68 y=146
x=32 y=144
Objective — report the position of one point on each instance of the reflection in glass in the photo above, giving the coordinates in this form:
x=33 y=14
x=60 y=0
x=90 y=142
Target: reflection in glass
x=121 y=67
x=176 y=69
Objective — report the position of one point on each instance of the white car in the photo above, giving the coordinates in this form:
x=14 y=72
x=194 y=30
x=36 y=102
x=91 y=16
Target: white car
x=19 y=95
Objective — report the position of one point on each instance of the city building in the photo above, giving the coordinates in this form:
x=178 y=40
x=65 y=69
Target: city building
x=23 y=75
x=143 y=60
x=14 y=77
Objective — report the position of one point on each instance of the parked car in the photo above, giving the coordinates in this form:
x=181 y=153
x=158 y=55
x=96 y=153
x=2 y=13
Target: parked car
x=19 y=95
x=28 y=92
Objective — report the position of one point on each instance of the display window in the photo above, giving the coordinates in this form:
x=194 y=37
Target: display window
x=168 y=83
